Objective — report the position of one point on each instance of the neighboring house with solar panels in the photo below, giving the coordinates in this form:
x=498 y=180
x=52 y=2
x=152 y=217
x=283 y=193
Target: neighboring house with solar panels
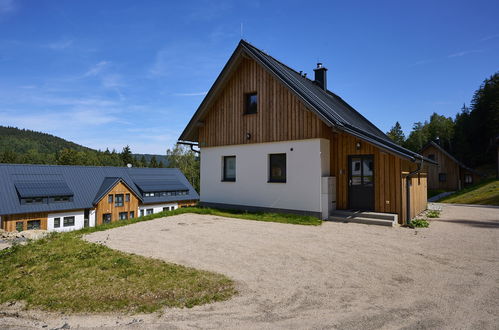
x=63 y=198
x=272 y=139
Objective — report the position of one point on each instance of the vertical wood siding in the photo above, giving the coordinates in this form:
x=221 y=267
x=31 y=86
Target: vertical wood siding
x=103 y=206
x=280 y=117
x=9 y=221
x=445 y=165
x=387 y=169
x=418 y=195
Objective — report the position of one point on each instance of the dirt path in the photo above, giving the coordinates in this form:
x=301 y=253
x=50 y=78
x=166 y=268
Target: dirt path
x=345 y=276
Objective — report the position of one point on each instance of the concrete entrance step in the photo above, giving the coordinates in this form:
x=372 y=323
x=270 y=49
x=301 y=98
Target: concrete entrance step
x=370 y=218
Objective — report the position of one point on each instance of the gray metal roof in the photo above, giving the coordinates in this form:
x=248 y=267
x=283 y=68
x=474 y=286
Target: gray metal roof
x=333 y=110
x=87 y=185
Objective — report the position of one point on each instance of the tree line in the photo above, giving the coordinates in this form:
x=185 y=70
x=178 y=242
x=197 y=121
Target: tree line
x=470 y=136
x=23 y=146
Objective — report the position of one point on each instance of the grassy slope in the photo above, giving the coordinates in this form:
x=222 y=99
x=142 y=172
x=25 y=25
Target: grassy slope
x=486 y=193
x=65 y=273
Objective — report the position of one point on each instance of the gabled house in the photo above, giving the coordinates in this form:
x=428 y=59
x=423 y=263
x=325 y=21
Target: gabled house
x=272 y=139
x=63 y=198
x=450 y=174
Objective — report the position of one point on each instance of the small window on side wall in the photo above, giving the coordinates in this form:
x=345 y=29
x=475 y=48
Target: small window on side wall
x=277 y=168
x=468 y=179
x=251 y=105
x=229 y=168
x=442 y=177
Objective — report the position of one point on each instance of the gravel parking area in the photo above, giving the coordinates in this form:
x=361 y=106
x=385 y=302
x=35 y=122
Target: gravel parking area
x=344 y=276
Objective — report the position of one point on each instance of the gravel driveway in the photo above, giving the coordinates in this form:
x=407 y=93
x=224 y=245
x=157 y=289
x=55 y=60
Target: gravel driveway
x=345 y=276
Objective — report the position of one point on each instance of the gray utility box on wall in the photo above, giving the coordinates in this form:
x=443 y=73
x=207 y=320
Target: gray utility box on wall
x=328 y=196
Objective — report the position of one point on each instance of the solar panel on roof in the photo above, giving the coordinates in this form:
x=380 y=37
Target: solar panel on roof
x=29 y=189
x=159 y=185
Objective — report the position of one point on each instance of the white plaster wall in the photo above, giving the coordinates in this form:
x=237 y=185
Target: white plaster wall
x=156 y=207
x=306 y=163
x=78 y=220
x=91 y=218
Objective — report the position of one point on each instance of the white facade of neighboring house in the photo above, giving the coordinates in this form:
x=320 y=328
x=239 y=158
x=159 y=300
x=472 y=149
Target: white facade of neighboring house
x=156 y=208
x=76 y=218
x=307 y=162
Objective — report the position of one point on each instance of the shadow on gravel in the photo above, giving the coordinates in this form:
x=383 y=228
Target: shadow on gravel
x=478 y=224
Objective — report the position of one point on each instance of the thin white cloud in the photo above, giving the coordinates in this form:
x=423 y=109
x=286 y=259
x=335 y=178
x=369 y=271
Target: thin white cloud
x=490 y=37
x=112 y=81
x=96 y=69
x=60 y=45
x=191 y=94
x=464 y=53
x=7 y=6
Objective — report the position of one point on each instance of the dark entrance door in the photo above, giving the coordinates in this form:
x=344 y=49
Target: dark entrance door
x=361 y=182
x=86 y=214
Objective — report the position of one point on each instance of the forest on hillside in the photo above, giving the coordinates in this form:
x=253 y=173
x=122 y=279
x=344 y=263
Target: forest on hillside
x=23 y=146
x=470 y=136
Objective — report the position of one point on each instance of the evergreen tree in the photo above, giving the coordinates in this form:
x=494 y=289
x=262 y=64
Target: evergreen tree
x=126 y=156
x=143 y=161
x=396 y=134
x=154 y=162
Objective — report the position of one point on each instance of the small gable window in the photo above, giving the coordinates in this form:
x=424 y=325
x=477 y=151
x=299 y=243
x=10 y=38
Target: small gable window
x=110 y=198
x=251 y=103
x=431 y=156
x=118 y=200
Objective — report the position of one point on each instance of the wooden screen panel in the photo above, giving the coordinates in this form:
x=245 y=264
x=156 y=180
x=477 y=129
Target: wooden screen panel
x=104 y=207
x=281 y=115
x=419 y=197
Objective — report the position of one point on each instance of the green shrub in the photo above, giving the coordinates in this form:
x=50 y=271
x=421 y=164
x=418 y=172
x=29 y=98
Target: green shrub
x=433 y=214
x=419 y=223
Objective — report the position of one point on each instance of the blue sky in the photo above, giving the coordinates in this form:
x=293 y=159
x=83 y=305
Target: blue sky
x=112 y=73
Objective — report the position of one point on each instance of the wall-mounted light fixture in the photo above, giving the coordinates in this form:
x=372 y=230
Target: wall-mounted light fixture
x=248 y=136
x=357 y=145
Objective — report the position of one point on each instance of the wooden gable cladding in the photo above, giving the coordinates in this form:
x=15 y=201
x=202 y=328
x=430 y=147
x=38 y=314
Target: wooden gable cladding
x=281 y=115
x=445 y=165
x=104 y=207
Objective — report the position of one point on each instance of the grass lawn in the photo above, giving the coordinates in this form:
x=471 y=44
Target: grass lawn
x=62 y=272
x=258 y=216
x=486 y=193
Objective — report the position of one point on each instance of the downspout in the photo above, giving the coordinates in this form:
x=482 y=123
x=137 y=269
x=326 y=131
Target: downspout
x=192 y=145
x=408 y=190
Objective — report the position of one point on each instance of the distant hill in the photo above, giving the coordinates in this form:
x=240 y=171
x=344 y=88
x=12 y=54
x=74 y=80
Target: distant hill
x=24 y=146
x=148 y=157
